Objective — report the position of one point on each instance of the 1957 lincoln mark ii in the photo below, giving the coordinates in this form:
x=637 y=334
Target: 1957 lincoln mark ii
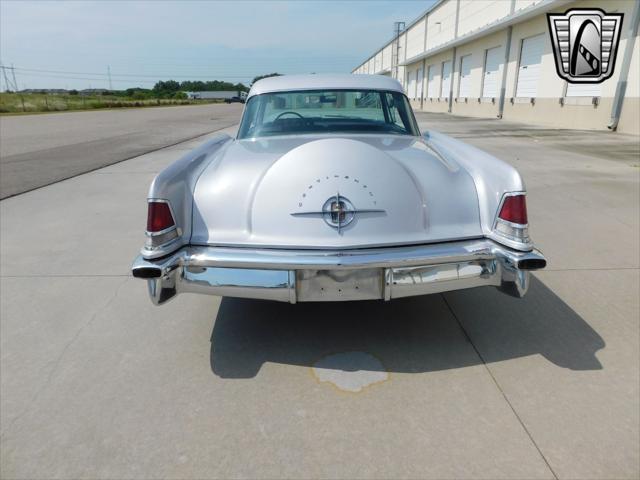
x=330 y=192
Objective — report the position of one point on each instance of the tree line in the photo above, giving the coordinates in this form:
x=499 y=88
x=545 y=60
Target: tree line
x=170 y=87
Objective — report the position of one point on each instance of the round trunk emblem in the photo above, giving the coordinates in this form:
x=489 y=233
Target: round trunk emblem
x=338 y=211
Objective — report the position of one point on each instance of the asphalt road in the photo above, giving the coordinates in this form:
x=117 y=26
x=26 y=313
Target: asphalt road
x=37 y=150
x=98 y=383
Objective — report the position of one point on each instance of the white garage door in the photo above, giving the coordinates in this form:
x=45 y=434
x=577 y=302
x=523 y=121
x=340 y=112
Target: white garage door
x=411 y=88
x=446 y=79
x=419 y=81
x=491 y=73
x=432 y=85
x=529 y=70
x=584 y=90
x=464 y=90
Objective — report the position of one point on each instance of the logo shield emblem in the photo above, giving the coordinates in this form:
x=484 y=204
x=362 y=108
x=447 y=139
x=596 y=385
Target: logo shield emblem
x=338 y=212
x=585 y=43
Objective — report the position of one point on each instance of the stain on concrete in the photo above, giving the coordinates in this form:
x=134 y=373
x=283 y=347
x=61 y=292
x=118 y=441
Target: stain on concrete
x=350 y=371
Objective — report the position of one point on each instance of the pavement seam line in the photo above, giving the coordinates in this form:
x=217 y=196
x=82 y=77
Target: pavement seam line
x=495 y=381
x=58 y=360
x=119 y=161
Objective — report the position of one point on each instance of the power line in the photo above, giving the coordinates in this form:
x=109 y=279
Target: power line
x=129 y=80
x=69 y=77
x=130 y=75
x=142 y=75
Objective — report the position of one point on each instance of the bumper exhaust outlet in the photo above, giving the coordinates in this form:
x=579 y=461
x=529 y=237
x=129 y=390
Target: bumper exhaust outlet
x=146 y=272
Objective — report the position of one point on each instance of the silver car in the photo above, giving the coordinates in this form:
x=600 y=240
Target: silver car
x=330 y=192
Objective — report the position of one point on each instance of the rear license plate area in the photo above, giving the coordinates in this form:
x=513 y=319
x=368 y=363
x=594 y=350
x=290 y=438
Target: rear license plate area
x=336 y=285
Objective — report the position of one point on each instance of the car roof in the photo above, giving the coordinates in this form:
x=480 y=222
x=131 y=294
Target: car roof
x=285 y=83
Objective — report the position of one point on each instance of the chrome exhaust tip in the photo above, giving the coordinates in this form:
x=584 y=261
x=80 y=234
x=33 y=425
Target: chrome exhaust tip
x=531 y=264
x=146 y=272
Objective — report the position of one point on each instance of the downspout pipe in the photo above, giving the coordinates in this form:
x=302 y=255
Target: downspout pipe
x=453 y=76
x=424 y=63
x=621 y=87
x=505 y=64
x=453 y=62
x=422 y=89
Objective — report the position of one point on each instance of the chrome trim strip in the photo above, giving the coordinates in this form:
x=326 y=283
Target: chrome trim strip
x=162 y=232
x=156 y=251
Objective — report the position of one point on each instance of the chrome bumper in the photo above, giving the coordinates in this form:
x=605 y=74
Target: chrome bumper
x=321 y=275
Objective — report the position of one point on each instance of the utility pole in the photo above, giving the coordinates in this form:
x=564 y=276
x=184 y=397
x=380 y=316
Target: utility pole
x=398 y=28
x=109 y=75
x=11 y=83
x=13 y=73
x=6 y=79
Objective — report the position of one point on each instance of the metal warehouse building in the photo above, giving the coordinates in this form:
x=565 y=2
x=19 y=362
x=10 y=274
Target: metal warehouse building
x=494 y=58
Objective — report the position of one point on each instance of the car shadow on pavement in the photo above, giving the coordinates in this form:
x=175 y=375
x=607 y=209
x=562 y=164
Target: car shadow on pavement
x=419 y=334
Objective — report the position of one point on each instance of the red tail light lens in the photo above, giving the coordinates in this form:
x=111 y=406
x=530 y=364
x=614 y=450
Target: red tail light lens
x=514 y=209
x=159 y=217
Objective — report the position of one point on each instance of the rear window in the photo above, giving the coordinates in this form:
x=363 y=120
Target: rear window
x=327 y=111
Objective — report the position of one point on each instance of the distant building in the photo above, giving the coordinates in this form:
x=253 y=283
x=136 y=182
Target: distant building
x=222 y=94
x=54 y=91
x=494 y=59
x=93 y=91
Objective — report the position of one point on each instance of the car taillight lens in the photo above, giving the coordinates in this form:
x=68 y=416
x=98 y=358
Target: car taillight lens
x=159 y=217
x=514 y=209
x=161 y=226
x=512 y=223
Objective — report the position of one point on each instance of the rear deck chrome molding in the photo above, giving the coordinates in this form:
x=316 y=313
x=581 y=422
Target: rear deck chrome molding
x=308 y=275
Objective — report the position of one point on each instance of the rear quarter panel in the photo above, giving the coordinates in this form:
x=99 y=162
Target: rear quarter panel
x=491 y=176
x=177 y=182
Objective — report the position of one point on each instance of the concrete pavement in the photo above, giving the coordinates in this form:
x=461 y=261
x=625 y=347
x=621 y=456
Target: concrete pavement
x=37 y=150
x=98 y=383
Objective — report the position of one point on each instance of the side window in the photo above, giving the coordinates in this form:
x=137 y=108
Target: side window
x=394 y=113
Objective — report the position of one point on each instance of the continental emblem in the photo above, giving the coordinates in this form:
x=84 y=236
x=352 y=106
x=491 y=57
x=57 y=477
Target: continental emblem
x=585 y=42
x=337 y=212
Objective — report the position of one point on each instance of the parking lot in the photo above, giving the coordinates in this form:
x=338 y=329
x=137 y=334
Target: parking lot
x=38 y=150
x=98 y=382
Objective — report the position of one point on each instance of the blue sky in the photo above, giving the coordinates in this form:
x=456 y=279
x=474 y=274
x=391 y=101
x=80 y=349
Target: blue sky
x=70 y=44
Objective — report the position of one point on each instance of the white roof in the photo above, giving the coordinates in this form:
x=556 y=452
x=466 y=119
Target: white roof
x=343 y=81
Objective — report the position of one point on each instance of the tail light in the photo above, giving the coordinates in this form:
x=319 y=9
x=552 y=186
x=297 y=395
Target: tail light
x=161 y=226
x=159 y=217
x=512 y=221
x=514 y=209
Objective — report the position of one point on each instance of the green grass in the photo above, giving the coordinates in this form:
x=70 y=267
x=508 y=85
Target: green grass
x=16 y=103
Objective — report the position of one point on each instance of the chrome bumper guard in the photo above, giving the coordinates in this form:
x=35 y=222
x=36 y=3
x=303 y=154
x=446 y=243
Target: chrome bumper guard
x=321 y=275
